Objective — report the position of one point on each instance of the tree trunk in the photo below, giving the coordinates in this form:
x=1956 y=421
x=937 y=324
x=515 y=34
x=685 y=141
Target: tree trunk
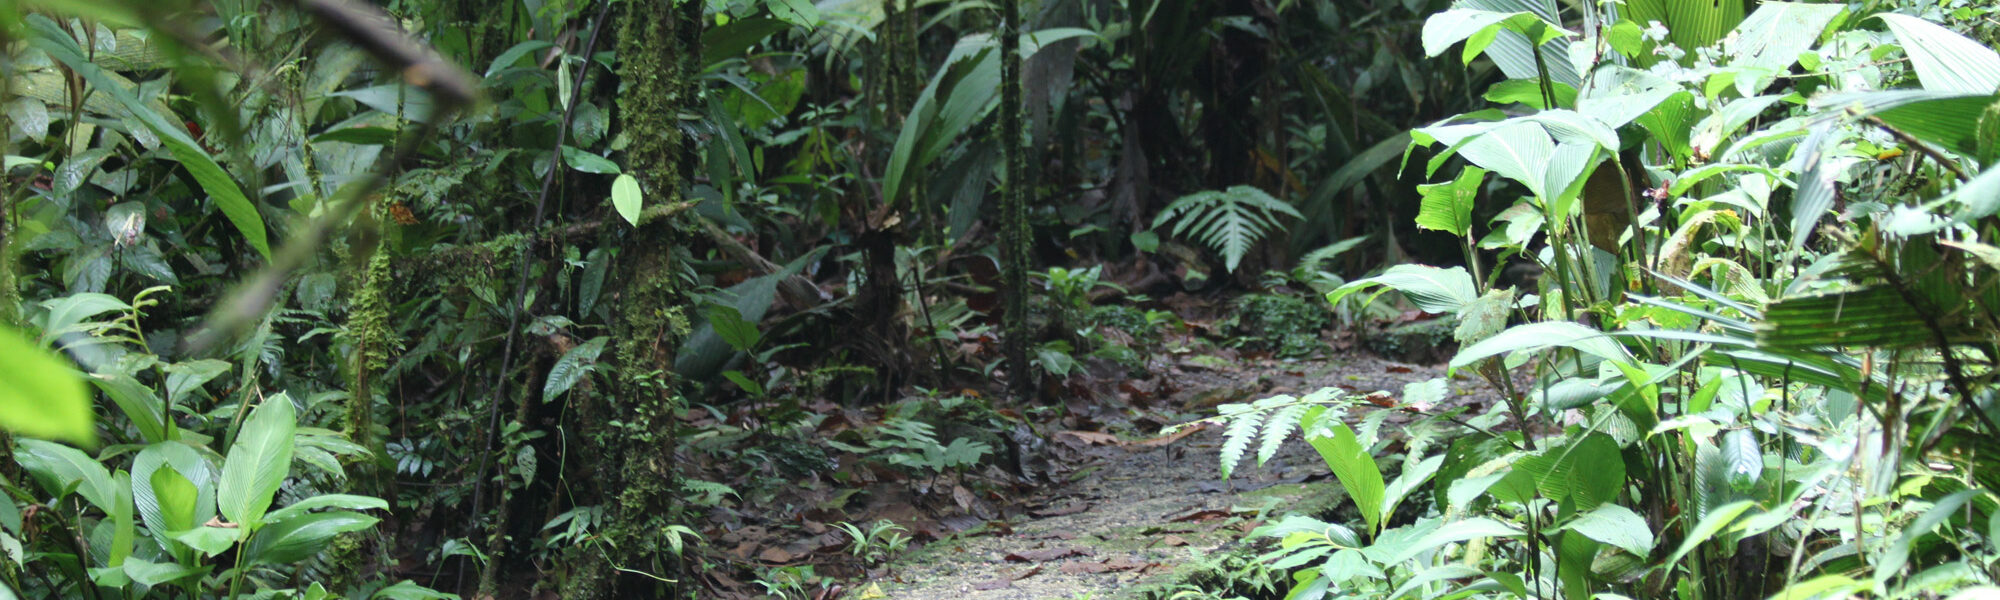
x=1014 y=242
x=634 y=474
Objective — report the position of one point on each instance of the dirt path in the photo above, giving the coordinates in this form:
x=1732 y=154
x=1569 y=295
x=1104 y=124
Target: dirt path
x=1148 y=516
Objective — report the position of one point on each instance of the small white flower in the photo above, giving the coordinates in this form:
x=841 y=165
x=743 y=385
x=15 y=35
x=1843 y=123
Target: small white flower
x=1656 y=31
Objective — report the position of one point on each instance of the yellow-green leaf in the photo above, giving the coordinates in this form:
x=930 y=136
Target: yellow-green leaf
x=40 y=394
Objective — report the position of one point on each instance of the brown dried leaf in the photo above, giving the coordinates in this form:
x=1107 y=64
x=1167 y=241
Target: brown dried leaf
x=775 y=554
x=1080 y=439
x=963 y=497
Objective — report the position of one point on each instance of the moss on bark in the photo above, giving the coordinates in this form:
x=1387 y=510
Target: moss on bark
x=634 y=429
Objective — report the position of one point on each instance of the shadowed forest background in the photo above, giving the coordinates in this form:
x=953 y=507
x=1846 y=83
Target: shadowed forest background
x=593 y=299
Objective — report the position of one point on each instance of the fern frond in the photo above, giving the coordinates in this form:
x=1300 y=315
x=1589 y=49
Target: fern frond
x=1228 y=221
x=1236 y=438
x=1278 y=427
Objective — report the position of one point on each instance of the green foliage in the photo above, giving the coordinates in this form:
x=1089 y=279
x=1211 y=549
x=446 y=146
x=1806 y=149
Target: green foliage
x=1287 y=325
x=39 y=396
x=1685 y=384
x=1229 y=222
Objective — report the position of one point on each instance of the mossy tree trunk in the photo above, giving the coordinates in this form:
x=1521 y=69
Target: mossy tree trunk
x=1014 y=242
x=630 y=432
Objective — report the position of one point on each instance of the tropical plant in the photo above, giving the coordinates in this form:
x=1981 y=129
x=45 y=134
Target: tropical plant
x=1725 y=398
x=1229 y=222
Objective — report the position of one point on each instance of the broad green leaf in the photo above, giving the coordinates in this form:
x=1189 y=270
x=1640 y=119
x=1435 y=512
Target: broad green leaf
x=1710 y=525
x=1514 y=53
x=173 y=486
x=346 y=501
x=1585 y=474
x=514 y=54
x=740 y=333
x=1744 y=459
x=1945 y=61
x=1456 y=531
x=137 y=401
x=174 y=499
x=1690 y=24
x=1615 y=525
x=210 y=541
x=1433 y=575
x=1412 y=477
x=59 y=467
x=1485 y=317
x=1834 y=586
x=1771 y=39
x=71 y=314
x=301 y=536
x=972 y=74
x=1448 y=28
x=589 y=163
x=1870 y=316
x=41 y=395
x=258 y=462
x=1616 y=95
x=1353 y=466
x=1432 y=289
x=797 y=12
x=1447 y=207
x=396 y=99
x=153 y=574
x=1515 y=149
x=221 y=188
x=626 y=198
x=1947 y=119
x=409 y=590
x=573 y=367
x=732 y=39
x=1529 y=92
x=1537 y=336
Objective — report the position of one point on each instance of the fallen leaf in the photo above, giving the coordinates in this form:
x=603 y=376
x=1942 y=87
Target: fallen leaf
x=1398 y=369
x=1078 y=567
x=1174 y=540
x=1124 y=564
x=775 y=554
x=1053 y=535
x=1201 y=515
x=1080 y=439
x=963 y=496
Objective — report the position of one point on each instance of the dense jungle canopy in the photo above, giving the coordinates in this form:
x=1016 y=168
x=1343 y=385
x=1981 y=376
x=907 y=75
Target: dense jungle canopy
x=596 y=299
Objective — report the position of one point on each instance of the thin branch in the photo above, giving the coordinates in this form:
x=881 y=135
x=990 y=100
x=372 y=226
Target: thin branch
x=1926 y=149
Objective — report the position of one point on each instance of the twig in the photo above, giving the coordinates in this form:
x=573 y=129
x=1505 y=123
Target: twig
x=1926 y=149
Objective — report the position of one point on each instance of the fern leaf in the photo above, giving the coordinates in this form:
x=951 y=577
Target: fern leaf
x=1278 y=427
x=1242 y=428
x=1229 y=221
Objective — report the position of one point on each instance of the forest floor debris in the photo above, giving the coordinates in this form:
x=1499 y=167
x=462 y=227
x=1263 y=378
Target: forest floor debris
x=1151 y=512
